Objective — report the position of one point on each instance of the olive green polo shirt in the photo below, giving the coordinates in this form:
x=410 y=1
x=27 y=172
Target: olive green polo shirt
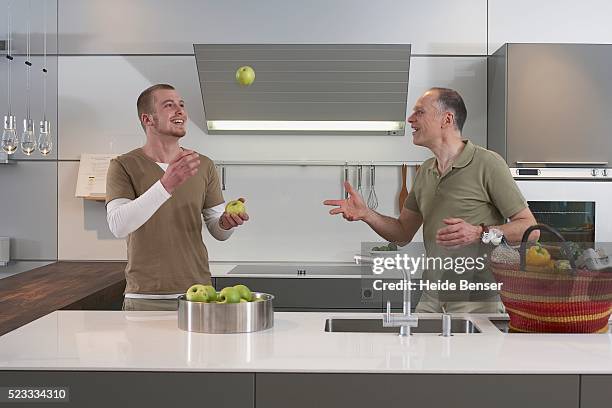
x=477 y=188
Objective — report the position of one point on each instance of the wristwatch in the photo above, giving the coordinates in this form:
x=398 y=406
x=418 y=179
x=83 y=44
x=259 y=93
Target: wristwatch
x=491 y=235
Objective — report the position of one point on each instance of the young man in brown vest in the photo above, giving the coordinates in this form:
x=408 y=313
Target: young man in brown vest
x=156 y=195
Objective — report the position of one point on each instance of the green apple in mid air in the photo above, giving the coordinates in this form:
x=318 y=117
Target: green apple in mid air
x=197 y=293
x=229 y=295
x=245 y=75
x=245 y=292
x=235 y=207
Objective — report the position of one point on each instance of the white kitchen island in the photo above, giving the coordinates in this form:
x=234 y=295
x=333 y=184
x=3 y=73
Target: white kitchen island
x=297 y=363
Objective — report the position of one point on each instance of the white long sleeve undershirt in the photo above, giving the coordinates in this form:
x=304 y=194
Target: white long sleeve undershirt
x=125 y=216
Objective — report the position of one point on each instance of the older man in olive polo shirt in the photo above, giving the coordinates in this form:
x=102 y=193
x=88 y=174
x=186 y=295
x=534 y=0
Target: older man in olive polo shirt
x=457 y=193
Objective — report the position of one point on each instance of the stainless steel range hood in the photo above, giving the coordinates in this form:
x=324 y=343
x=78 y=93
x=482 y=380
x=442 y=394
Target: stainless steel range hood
x=305 y=88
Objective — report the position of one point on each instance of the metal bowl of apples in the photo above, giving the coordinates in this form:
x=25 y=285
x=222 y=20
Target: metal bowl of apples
x=232 y=310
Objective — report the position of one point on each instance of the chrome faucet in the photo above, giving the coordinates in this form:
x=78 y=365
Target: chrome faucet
x=404 y=321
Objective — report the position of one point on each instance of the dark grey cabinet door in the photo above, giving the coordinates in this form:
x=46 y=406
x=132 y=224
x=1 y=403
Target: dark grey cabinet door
x=425 y=390
x=138 y=389
x=313 y=293
x=595 y=391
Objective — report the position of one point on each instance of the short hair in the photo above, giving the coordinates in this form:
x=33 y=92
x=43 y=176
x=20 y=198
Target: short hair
x=450 y=100
x=145 y=102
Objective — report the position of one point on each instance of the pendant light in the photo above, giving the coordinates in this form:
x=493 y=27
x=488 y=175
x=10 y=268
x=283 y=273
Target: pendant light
x=45 y=141
x=9 y=135
x=28 y=139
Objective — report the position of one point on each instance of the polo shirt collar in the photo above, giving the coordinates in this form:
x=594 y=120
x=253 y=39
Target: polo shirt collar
x=464 y=158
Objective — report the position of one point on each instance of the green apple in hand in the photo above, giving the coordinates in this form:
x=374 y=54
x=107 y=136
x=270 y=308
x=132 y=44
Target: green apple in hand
x=245 y=292
x=245 y=75
x=235 y=207
x=197 y=293
x=229 y=295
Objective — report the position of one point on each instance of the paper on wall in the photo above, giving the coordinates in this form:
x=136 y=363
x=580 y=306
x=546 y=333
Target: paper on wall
x=91 y=181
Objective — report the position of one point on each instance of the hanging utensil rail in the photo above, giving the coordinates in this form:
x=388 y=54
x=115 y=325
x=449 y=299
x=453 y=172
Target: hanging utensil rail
x=340 y=163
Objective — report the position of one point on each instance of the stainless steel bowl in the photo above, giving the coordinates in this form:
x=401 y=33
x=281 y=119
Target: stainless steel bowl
x=226 y=318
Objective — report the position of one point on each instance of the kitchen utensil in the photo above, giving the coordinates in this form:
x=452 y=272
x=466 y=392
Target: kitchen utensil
x=222 y=178
x=372 y=198
x=359 y=178
x=346 y=177
x=404 y=191
x=245 y=317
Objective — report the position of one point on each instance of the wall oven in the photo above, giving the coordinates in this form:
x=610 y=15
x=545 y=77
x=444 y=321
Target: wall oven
x=576 y=201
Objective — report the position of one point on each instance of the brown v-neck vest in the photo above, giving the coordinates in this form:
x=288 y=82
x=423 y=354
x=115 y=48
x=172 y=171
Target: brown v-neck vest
x=166 y=254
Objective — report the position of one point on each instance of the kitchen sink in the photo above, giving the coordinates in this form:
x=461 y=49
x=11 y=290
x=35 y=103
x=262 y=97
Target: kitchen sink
x=458 y=326
x=502 y=324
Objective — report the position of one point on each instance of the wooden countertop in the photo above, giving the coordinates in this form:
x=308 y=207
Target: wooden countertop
x=27 y=296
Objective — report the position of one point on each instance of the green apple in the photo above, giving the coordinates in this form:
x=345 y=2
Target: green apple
x=245 y=292
x=244 y=301
x=197 y=293
x=235 y=207
x=210 y=292
x=245 y=75
x=229 y=295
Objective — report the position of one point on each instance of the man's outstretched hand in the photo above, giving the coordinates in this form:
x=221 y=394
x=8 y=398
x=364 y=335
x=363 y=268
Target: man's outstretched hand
x=353 y=208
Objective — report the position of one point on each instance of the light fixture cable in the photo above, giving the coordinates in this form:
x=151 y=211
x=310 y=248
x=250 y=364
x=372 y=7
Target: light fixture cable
x=9 y=57
x=45 y=140
x=44 y=68
x=28 y=63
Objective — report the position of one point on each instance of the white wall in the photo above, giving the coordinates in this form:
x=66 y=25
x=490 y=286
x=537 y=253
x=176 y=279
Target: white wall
x=81 y=225
x=548 y=21
x=107 y=57
x=97 y=111
x=171 y=27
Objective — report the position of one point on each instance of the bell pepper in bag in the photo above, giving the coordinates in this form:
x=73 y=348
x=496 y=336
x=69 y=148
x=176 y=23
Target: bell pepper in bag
x=538 y=256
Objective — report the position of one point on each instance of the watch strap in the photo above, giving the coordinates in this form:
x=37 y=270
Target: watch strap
x=485 y=229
